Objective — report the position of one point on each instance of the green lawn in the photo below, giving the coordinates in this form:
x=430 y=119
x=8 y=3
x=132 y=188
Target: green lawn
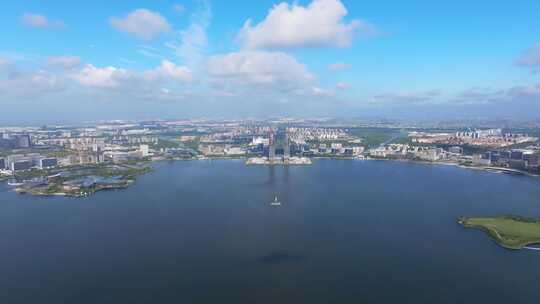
x=165 y=143
x=373 y=137
x=508 y=231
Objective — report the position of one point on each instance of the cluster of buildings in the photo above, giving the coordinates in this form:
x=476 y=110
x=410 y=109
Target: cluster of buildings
x=74 y=143
x=32 y=148
x=479 y=133
x=275 y=142
x=117 y=141
x=221 y=150
x=297 y=145
x=22 y=162
x=520 y=159
x=494 y=138
x=304 y=135
x=134 y=140
x=405 y=151
x=123 y=154
x=15 y=141
x=334 y=149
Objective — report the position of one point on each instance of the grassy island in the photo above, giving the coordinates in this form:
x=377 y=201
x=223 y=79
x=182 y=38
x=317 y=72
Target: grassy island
x=511 y=232
x=79 y=181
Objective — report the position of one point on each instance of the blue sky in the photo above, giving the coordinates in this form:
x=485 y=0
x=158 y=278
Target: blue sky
x=149 y=59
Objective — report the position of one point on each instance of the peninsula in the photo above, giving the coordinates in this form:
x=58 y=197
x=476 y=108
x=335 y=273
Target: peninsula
x=511 y=232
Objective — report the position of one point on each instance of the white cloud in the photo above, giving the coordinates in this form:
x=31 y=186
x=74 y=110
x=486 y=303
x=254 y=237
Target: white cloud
x=530 y=58
x=321 y=23
x=64 y=62
x=479 y=95
x=59 y=74
x=21 y=82
x=260 y=68
x=342 y=85
x=106 y=77
x=149 y=51
x=339 y=66
x=192 y=42
x=113 y=77
x=141 y=23
x=512 y=96
x=169 y=71
x=30 y=84
x=40 y=21
x=422 y=97
x=317 y=91
x=530 y=91
x=516 y=96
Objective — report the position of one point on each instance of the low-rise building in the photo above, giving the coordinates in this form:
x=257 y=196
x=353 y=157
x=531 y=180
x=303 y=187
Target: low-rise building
x=480 y=160
x=456 y=150
x=21 y=165
x=45 y=163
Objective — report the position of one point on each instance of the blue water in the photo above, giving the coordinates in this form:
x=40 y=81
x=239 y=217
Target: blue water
x=203 y=232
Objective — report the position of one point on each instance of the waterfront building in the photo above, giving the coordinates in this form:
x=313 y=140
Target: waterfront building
x=235 y=151
x=45 y=163
x=532 y=159
x=286 y=147
x=516 y=155
x=13 y=158
x=358 y=150
x=21 y=165
x=144 y=150
x=480 y=160
x=505 y=154
x=336 y=146
x=271 y=147
x=456 y=150
x=517 y=164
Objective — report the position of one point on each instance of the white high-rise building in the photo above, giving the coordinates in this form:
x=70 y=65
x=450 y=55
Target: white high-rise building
x=144 y=150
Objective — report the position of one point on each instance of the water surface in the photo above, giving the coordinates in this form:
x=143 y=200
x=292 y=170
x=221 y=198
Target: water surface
x=203 y=232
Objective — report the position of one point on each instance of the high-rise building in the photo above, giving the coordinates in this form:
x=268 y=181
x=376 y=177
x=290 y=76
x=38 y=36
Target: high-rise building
x=2 y=164
x=23 y=141
x=286 y=146
x=271 y=146
x=144 y=150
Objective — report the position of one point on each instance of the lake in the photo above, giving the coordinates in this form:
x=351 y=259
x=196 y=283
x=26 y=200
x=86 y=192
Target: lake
x=348 y=231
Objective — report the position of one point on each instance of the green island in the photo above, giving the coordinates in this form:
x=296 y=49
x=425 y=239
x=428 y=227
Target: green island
x=512 y=232
x=79 y=181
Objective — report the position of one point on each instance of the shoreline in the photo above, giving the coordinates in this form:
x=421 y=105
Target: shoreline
x=510 y=232
x=245 y=159
x=479 y=168
x=437 y=163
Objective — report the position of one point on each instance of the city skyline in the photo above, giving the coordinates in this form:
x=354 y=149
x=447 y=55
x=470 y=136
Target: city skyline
x=142 y=60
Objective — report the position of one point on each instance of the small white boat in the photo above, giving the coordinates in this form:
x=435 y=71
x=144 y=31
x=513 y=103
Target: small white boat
x=275 y=202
